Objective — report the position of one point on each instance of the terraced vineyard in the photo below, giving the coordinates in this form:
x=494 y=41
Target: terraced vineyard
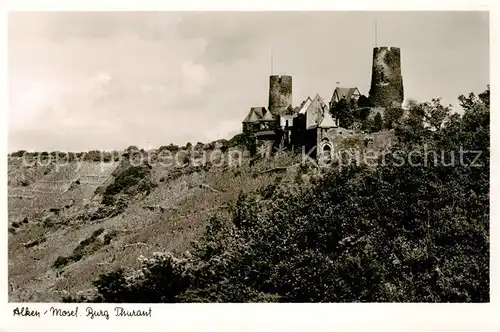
x=61 y=236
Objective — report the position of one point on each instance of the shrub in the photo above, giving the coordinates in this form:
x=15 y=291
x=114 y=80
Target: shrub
x=48 y=222
x=162 y=279
x=35 y=242
x=171 y=147
x=19 y=153
x=127 y=179
x=84 y=248
x=61 y=262
x=93 y=155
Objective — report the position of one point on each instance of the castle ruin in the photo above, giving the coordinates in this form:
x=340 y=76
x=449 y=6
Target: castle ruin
x=311 y=125
x=387 y=83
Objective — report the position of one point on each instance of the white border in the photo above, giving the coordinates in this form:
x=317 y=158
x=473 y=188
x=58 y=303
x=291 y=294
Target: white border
x=230 y=5
x=300 y=317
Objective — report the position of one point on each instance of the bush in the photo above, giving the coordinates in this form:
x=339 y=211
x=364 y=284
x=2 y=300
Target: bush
x=61 y=262
x=48 y=222
x=19 y=153
x=84 y=248
x=171 y=147
x=161 y=279
x=125 y=180
x=36 y=242
x=93 y=155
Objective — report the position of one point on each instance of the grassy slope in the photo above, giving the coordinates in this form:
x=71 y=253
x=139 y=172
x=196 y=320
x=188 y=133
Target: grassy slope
x=143 y=228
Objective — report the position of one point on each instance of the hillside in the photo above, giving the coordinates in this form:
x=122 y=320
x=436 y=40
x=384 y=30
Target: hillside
x=56 y=214
x=279 y=229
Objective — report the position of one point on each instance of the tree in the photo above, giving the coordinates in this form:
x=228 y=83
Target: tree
x=435 y=113
x=199 y=146
x=342 y=111
x=364 y=101
x=377 y=123
x=19 y=153
x=392 y=117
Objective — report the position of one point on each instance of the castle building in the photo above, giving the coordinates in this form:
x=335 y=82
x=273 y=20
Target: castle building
x=386 y=87
x=311 y=124
x=349 y=94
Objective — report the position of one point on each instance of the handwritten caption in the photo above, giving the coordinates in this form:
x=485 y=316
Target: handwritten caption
x=88 y=312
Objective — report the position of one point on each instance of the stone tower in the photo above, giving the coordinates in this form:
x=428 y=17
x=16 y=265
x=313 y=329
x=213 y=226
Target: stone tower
x=387 y=82
x=280 y=93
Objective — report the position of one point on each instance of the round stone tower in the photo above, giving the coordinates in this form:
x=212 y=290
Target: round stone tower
x=280 y=93
x=387 y=83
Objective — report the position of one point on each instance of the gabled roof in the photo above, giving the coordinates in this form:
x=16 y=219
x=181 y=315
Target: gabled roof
x=327 y=121
x=286 y=119
x=267 y=117
x=255 y=114
x=289 y=112
x=315 y=111
x=304 y=106
x=347 y=93
x=259 y=110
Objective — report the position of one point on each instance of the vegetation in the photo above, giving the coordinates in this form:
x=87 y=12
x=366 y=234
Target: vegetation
x=171 y=147
x=240 y=140
x=343 y=111
x=359 y=116
x=377 y=123
x=129 y=180
x=84 y=248
x=395 y=233
x=19 y=153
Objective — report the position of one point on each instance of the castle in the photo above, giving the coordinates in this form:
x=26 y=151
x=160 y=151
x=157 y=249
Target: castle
x=311 y=124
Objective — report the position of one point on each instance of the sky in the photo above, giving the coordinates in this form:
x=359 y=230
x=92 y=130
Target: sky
x=83 y=81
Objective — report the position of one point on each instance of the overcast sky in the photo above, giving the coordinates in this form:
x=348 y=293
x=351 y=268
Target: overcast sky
x=82 y=81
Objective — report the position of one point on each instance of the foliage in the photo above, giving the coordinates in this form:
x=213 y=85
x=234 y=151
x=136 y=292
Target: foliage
x=85 y=247
x=377 y=123
x=394 y=233
x=19 y=153
x=392 y=58
x=171 y=147
x=389 y=74
x=364 y=101
x=342 y=110
x=128 y=178
x=240 y=140
x=435 y=114
x=160 y=279
x=393 y=117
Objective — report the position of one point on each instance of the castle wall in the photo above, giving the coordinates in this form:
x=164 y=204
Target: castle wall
x=341 y=139
x=387 y=82
x=280 y=92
